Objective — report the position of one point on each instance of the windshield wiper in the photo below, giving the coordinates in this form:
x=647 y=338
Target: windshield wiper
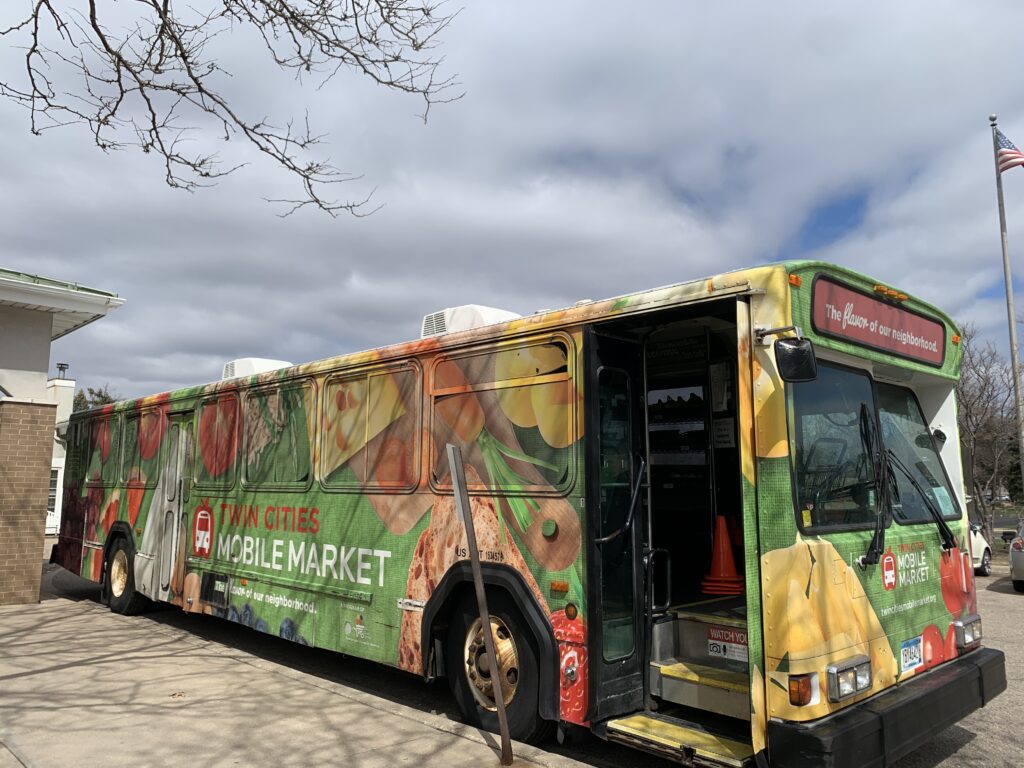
x=885 y=488
x=945 y=533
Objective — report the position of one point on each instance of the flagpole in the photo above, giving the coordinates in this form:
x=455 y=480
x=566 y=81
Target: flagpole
x=1011 y=315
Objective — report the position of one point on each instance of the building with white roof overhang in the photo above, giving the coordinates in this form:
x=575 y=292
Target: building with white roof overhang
x=34 y=311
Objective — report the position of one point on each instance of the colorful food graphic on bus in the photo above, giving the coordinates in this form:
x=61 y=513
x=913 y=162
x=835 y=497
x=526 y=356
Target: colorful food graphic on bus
x=315 y=503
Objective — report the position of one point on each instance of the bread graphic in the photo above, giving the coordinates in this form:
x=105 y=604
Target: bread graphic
x=439 y=547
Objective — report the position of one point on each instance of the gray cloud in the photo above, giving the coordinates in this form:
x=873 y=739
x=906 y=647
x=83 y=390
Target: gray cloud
x=594 y=153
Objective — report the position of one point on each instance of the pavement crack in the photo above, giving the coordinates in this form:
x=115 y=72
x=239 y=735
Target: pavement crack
x=16 y=754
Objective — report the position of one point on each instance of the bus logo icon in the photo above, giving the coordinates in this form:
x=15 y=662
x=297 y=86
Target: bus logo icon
x=889 y=570
x=202 y=530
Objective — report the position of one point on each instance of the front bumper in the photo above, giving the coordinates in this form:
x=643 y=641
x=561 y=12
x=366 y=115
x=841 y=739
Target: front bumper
x=880 y=730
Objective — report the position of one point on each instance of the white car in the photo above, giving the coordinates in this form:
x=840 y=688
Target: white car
x=1017 y=560
x=981 y=553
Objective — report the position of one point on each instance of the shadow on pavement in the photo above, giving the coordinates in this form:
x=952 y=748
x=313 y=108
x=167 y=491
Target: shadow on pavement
x=59 y=583
x=1002 y=585
x=368 y=677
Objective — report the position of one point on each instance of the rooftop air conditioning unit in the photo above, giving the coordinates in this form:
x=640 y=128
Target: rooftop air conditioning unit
x=249 y=366
x=463 y=318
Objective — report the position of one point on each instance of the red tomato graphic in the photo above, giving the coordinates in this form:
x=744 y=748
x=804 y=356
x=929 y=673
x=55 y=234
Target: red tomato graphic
x=218 y=438
x=135 y=493
x=152 y=426
x=952 y=574
x=110 y=511
x=101 y=435
x=970 y=598
x=573 y=693
x=951 y=650
x=933 y=646
x=93 y=501
x=95 y=566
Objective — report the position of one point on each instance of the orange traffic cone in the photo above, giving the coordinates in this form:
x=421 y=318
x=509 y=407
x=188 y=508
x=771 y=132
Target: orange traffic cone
x=722 y=579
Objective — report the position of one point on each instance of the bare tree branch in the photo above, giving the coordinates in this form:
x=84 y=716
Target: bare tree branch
x=153 y=84
x=985 y=413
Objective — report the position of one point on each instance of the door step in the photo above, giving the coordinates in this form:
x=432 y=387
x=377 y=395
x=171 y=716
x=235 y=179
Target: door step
x=712 y=632
x=679 y=740
x=713 y=689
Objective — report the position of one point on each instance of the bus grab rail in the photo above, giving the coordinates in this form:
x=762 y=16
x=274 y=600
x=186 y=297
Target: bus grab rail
x=632 y=507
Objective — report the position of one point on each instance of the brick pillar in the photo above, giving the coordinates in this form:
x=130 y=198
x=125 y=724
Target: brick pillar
x=26 y=453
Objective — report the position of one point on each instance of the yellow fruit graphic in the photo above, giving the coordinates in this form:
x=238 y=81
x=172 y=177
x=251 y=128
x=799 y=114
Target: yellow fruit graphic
x=746 y=402
x=548 y=405
x=384 y=404
x=526 y=362
x=816 y=613
x=356 y=411
x=517 y=405
x=552 y=405
x=758 y=716
x=770 y=310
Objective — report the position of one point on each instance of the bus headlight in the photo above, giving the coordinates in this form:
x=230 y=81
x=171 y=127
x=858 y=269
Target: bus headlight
x=968 y=631
x=849 y=677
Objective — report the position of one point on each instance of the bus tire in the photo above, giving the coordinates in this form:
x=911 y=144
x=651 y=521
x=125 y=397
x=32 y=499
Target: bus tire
x=119 y=585
x=1019 y=586
x=469 y=676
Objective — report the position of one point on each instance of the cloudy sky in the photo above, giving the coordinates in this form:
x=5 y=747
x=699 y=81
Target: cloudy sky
x=598 y=149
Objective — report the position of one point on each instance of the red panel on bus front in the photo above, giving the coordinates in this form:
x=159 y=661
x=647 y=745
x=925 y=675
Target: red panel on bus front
x=850 y=315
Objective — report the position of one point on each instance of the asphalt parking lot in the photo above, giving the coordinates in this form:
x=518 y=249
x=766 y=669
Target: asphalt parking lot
x=71 y=692
x=992 y=736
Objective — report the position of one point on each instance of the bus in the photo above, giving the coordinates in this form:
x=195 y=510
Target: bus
x=722 y=521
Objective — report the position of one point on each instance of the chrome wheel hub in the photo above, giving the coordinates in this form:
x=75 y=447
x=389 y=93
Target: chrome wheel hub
x=118 y=573
x=479 y=670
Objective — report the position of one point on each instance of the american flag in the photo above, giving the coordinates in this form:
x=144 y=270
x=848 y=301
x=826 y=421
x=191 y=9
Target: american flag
x=1008 y=156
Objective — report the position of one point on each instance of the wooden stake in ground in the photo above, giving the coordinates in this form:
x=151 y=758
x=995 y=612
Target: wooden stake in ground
x=466 y=513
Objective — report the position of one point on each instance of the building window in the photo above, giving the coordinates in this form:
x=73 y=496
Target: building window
x=51 y=502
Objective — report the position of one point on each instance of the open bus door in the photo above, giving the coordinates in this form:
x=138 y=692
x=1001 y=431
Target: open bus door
x=616 y=505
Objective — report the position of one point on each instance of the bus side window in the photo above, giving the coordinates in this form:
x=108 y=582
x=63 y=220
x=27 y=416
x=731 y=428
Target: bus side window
x=277 y=442
x=143 y=434
x=102 y=464
x=371 y=429
x=217 y=448
x=73 y=459
x=510 y=402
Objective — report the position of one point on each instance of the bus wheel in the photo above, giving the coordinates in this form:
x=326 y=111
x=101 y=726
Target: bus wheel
x=470 y=671
x=119 y=586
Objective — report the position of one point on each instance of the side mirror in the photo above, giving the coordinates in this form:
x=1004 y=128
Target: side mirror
x=795 y=359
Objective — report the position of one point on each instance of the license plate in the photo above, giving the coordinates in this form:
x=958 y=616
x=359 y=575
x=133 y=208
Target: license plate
x=910 y=654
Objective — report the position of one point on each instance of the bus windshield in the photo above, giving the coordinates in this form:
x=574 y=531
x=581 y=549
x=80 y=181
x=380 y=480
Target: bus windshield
x=905 y=433
x=835 y=471
x=835 y=475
